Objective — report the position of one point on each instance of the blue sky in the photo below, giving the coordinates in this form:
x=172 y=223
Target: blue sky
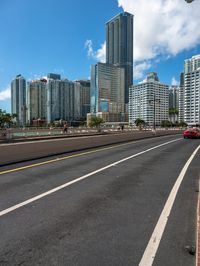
x=38 y=37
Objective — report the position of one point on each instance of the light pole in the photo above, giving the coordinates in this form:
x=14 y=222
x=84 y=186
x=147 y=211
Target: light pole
x=154 y=101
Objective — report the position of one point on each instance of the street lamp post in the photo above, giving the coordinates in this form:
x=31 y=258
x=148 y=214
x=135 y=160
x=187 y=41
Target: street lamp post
x=154 y=101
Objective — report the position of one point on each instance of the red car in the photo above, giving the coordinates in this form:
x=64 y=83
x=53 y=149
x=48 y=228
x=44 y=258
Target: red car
x=192 y=133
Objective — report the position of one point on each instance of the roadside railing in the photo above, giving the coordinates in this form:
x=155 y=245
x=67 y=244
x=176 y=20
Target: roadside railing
x=20 y=133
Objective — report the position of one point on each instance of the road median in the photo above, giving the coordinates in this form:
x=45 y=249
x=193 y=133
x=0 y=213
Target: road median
x=26 y=151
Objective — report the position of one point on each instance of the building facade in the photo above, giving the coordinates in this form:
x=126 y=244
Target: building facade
x=36 y=101
x=174 y=103
x=192 y=90
x=107 y=89
x=18 y=99
x=149 y=101
x=84 y=97
x=54 y=76
x=174 y=97
x=60 y=100
x=181 y=99
x=119 y=46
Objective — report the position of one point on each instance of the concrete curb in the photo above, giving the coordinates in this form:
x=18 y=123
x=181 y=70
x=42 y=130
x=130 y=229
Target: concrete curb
x=76 y=147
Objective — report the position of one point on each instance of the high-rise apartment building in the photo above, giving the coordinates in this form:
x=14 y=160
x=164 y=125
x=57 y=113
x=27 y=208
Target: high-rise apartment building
x=18 y=99
x=119 y=46
x=36 y=100
x=181 y=99
x=107 y=89
x=84 y=86
x=149 y=101
x=174 y=97
x=192 y=90
x=60 y=100
x=174 y=103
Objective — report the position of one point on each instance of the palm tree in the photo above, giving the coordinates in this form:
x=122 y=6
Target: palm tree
x=139 y=123
x=96 y=122
x=6 y=118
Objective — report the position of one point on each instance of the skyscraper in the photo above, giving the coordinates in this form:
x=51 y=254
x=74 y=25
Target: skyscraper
x=36 y=100
x=192 y=90
x=174 y=91
x=181 y=98
x=18 y=99
x=174 y=97
x=107 y=88
x=59 y=100
x=63 y=100
x=149 y=101
x=84 y=97
x=119 y=46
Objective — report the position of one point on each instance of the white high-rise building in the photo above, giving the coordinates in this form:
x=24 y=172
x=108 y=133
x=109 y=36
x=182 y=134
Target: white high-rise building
x=60 y=104
x=18 y=99
x=36 y=100
x=149 y=101
x=192 y=90
x=181 y=99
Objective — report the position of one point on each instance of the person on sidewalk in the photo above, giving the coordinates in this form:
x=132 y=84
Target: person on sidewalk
x=65 y=128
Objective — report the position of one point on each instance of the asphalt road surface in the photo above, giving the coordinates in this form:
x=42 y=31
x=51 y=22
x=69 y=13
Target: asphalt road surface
x=103 y=206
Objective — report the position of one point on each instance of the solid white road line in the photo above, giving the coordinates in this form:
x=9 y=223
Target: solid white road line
x=152 y=247
x=17 y=206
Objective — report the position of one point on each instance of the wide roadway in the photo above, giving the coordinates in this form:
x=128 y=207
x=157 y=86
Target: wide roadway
x=108 y=215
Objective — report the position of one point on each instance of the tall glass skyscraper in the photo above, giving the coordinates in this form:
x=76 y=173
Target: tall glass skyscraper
x=119 y=46
x=107 y=88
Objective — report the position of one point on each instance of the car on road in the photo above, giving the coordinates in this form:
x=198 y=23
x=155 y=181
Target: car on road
x=191 y=133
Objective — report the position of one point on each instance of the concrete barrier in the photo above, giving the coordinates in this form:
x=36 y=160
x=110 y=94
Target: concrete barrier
x=34 y=150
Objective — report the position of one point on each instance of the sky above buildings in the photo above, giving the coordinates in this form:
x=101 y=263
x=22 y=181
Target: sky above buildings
x=66 y=37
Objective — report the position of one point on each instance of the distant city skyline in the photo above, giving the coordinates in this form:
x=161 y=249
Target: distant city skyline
x=43 y=37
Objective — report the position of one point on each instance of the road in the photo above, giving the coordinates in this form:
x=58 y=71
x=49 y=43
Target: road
x=101 y=206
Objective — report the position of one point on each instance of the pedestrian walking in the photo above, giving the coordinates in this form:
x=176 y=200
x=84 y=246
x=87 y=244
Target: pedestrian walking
x=65 y=128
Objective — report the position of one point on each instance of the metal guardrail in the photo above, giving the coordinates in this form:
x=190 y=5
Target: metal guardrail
x=9 y=134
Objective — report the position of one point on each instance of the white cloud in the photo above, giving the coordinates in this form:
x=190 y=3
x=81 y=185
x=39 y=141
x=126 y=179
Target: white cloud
x=99 y=55
x=140 y=68
x=174 y=82
x=89 y=47
x=163 y=27
x=5 y=94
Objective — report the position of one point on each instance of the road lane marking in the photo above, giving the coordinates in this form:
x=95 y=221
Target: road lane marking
x=153 y=244
x=66 y=157
x=26 y=202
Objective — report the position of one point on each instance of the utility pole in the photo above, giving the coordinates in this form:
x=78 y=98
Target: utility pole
x=154 y=101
